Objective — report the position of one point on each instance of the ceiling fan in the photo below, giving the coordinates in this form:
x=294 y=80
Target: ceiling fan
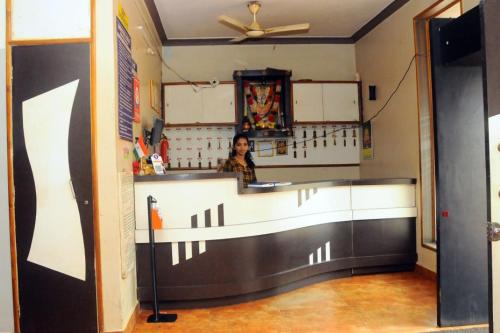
x=254 y=30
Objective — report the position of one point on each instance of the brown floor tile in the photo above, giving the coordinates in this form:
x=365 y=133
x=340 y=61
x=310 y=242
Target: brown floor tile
x=399 y=302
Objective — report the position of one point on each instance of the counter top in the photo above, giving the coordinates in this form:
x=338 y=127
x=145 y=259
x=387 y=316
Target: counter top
x=292 y=186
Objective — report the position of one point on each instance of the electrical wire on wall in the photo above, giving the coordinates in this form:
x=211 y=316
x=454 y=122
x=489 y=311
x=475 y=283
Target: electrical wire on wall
x=373 y=117
x=153 y=50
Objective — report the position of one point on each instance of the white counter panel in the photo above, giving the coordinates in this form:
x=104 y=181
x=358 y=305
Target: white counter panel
x=383 y=196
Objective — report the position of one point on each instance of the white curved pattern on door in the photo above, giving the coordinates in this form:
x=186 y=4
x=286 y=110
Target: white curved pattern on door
x=57 y=239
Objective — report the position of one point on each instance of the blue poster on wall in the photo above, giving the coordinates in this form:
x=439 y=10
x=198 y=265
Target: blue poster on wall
x=125 y=82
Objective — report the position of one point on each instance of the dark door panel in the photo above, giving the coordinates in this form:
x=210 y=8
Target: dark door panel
x=51 y=300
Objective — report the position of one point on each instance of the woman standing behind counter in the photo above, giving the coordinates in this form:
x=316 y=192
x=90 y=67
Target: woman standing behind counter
x=241 y=160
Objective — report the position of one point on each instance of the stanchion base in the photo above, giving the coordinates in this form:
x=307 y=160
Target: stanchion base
x=162 y=318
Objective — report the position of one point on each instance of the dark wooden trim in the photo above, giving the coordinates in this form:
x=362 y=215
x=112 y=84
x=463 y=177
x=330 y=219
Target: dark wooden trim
x=437 y=8
x=326 y=123
x=191 y=82
x=95 y=178
x=185 y=176
x=10 y=170
x=200 y=124
x=356 y=266
x=321 y=81
x=263 y=41
x=306 y=166
x=384 y=181
x=425 y=273
x=206 y=303
x=51 y=41
x=384 y=14
x=275 y=166
x=155 y=16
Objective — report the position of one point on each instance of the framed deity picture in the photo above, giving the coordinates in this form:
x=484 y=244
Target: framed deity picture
x=265 y=149
x=281 y=147
x=154 y=98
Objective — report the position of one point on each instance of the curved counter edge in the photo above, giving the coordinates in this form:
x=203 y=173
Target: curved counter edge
x=293 y=186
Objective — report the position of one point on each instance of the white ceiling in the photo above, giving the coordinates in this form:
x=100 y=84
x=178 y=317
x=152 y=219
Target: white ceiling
x=197 y=19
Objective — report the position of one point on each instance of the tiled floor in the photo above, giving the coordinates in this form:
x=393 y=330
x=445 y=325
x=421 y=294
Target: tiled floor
x=400 y=302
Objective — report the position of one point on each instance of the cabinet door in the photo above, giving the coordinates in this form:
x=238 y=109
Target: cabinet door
x=218 y=104
x=340 y=102
x=307 y=102
x=183 y=105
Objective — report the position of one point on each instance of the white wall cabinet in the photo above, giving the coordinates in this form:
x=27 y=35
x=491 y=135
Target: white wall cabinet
x=307 y=101
x=185 y=104
x=326 y=102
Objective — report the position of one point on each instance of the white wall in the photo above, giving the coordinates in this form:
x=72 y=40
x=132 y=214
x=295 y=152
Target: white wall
x=115 y=155
x=6 y=309
x=311 y=61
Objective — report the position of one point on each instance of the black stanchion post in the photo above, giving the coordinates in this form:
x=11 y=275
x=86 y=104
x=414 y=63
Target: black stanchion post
x=156 y=317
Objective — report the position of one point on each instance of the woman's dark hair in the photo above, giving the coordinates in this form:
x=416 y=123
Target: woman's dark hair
x=248 y=156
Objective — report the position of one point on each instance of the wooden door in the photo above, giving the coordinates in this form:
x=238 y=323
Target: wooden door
x=461 y=182
x=340 y=102
x=307 y=102
x=52 y=173
x=491 y=70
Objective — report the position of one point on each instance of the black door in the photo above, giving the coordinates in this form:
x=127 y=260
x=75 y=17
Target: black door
x=461 y=183
x=55 y=259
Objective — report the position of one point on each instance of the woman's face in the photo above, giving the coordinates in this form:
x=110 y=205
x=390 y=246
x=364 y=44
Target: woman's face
x=241 y=147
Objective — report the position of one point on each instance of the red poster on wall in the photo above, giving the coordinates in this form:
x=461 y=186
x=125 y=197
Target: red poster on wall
x=137 y=101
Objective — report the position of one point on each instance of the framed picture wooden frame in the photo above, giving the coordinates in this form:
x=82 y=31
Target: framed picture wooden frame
x=265 y=149
x=154 y=95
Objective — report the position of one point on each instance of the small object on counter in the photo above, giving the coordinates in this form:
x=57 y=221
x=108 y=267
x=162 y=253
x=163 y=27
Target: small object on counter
x=136 y=167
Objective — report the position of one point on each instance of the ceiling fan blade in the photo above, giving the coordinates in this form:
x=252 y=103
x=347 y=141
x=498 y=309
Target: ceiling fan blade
x=294 y=28
x=231 y=22
x=239 y=39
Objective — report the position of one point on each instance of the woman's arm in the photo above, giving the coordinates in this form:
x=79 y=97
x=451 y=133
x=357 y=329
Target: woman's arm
x=228 y=166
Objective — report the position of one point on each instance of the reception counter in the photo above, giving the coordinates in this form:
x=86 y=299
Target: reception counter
x=222 y=243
